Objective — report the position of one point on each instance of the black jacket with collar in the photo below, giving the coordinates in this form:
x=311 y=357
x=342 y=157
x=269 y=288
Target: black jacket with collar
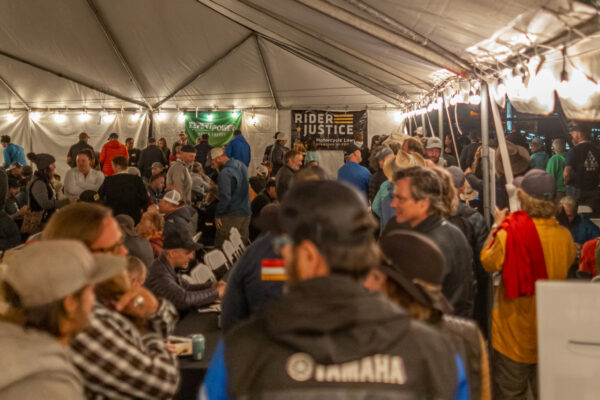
x=330 y=338
x=164 y=282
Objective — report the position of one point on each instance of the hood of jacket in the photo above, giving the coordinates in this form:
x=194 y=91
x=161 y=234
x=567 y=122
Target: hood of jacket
x=186 y=213
x=113 y=144
x=335 y=320
x=29 y=352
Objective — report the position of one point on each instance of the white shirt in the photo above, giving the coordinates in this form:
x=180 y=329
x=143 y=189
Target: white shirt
x=76 y=182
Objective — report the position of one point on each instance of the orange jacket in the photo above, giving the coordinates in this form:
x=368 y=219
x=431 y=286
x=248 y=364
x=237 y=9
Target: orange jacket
x=110 y=150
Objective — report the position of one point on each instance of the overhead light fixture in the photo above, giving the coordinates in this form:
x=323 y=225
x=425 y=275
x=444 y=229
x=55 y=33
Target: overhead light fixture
x=209 y=117
x=84 y=116
x=59 y=118
x=109 y=118
x=235 y=114
x=252 y=120
x=135 y=117
x=10 y=117
x=34 y=116
x=161 y=116
x=181 y=117
x=398 y=116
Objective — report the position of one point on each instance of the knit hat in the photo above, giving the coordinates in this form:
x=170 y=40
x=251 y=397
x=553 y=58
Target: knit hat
x=417 y=264
x=41 y=160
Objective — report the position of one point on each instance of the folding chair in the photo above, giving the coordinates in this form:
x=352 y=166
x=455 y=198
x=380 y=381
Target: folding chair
x=230 y=252
x=236 y=240
x=201 y=273
x=217 y=262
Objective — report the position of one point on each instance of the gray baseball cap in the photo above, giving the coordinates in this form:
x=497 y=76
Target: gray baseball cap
x=538 y=184
x=434 y=143
x=47 y=271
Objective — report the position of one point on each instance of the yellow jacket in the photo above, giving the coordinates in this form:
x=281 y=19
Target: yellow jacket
x=514 y=324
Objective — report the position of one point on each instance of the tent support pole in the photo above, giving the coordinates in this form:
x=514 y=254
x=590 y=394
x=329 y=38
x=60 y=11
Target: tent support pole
x=327 y=8
x=14 y=92
x=202 y=71
x=267 y=74
x=412 y=80
x=105 y=91
x=485 y=152
x=116 y=48
x=389 y=97
x=409 y=33
x=441 y=127
x=424 y=126
x=410 y=128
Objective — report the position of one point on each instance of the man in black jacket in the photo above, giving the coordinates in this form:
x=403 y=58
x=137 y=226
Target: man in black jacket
x=283 y=180
x=418 y=205
x=149 y=156
x=78 y=148
x=163 y=281
x=134 y=154
x=123 y=192
x=327 y=337
x=265 y=197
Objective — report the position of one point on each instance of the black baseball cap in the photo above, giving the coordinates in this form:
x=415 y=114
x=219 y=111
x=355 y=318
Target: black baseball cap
x=417 y=264
x=188 y=148
x=180 y=239
x=350 y=149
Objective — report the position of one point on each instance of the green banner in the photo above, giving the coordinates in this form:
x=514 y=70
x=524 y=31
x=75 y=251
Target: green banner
x=219 y=125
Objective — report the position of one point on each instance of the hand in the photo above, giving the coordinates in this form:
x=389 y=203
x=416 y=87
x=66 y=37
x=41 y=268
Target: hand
x=23 y=209
x=221 y=286
x=137 y=302
x=499 y=215
x=218 y=223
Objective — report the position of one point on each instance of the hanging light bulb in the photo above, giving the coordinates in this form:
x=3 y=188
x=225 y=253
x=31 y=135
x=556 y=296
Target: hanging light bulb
x=109 y=118
x=10 y=117
x=84 y=116
x=181 y=117
x=209 y=117
x=398 y=116
x=252 y=120
x=475 y=99
x=59 y=118
x=161 y=116
x=34 y=116
x=235 y=114
x=135 y=117
x=430 y=107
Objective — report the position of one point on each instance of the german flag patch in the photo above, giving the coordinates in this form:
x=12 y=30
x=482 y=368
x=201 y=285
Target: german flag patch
x=273 y=270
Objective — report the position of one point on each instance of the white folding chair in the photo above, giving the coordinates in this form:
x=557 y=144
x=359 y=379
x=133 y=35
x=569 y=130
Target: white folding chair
x=201 y=273
x=236 y=241
x=217 y=262
x=230 y=252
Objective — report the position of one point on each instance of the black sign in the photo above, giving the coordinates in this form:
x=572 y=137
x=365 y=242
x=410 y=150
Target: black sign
x=330 y=130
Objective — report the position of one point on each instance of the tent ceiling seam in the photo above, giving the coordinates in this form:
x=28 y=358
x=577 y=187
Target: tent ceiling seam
x=110 y=37
x=202 y=71
x=14 y=92
x=267 y=73
x=339 y=46
x=325 y=7
x=105 y=91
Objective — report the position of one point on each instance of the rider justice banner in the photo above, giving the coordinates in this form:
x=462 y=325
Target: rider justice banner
x=331 y=130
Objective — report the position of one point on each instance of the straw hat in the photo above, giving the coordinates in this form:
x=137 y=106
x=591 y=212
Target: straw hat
x=519 y=159
x=402 y=161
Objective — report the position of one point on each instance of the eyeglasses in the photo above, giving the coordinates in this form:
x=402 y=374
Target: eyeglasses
x=110 y=249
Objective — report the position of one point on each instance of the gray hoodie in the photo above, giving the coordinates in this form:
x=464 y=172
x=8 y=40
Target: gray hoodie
x=35 y=366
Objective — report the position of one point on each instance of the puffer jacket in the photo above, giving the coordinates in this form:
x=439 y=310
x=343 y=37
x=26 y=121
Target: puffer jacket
x=110 y=150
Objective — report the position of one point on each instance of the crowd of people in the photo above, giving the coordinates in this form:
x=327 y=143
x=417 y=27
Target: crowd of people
x=375 y=284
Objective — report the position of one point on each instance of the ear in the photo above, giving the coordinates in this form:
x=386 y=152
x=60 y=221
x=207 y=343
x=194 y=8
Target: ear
x=423 y=205
x=310 y=262
x=70 y=303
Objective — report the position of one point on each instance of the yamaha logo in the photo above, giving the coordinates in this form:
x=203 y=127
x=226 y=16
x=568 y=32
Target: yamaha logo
x=300 y=367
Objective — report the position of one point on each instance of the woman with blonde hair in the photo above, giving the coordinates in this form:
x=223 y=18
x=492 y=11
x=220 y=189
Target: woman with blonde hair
x=151 y=227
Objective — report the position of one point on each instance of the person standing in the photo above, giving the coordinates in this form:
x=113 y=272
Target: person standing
x=233 y=208
x=110 y=150
x=539 y=157
x=12 y=153
x=327 y=336
x=556 y=167
x=164 y=147
x=149 y=156
x=78 y=148
x=359 y=141
x=83 y=177
x=239 y=149
x=525 y=246
x=134 y=154
x=467 y=155
x=379 y=177
x=276 y=153
x=179 y=176
x=283 y=179
x=352 y=172
x=202 y=150
x=433 y=151
x=582 y=167
x=124 y=193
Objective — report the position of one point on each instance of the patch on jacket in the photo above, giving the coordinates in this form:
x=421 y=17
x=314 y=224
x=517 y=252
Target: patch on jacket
x=272 y=270
x=378 y=368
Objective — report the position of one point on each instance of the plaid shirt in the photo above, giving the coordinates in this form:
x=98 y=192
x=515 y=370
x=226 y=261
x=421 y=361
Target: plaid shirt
x=117 y=361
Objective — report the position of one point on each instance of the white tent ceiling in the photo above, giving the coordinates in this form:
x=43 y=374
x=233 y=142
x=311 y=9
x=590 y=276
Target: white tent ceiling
x=257 y=53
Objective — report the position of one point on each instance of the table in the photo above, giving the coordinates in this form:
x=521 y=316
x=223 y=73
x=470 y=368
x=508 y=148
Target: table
x=192 y=371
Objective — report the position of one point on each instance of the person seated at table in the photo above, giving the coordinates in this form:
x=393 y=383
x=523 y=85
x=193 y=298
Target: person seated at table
x=177 y=214
x=178 y=250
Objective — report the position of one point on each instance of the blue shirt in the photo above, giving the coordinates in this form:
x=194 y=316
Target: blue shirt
x=12 y=154
x=382 y=204
x=355 y=174
x=239 y=149
x=234 y=190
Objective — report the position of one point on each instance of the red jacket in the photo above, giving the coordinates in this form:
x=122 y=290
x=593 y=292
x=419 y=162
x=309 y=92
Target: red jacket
x=110 y=150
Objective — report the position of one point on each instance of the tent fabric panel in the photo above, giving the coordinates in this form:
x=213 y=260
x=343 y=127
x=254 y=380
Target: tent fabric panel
x=170 y=40
x=62 y=35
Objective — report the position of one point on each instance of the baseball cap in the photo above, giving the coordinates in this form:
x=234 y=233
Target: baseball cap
x=537 y=141
x=180 y=239
x=113 y=136
x=434 y=143
x=16 y=164
x=89 y=196
x=173 y=197
x=458 y=176
x=417 y=264
x=420 y=131
x=27 y=171
x=216 y=152
x=350 y=149
x=83 y=136
x=326 y=212
x=262 y=170
x=49 y=270
x=383 y=153
x=188 y=148
x=127 y=225
x=156 y=164
x=538 y=184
